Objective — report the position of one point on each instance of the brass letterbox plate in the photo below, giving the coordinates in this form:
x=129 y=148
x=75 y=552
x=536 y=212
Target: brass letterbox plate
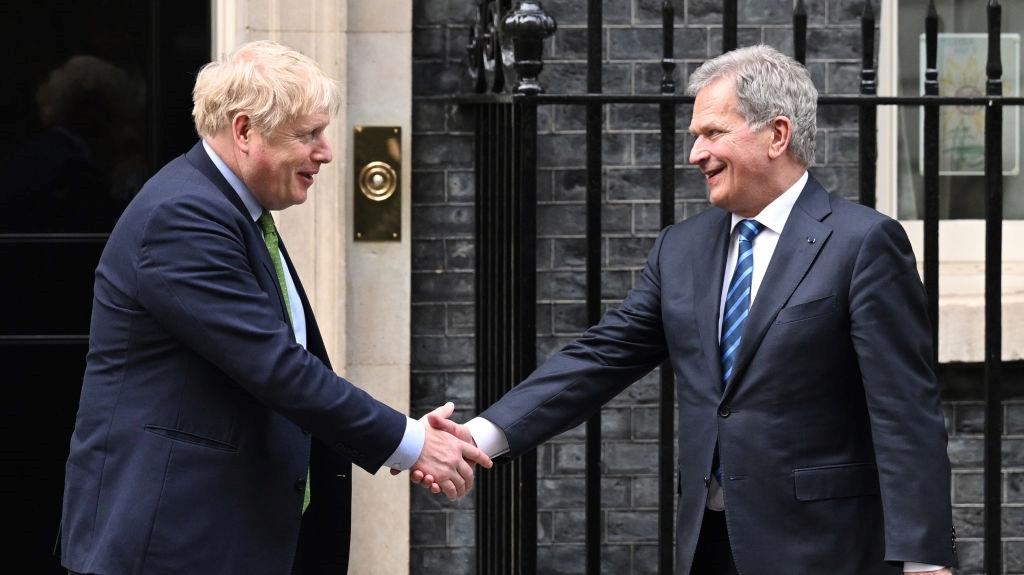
x=377 y=200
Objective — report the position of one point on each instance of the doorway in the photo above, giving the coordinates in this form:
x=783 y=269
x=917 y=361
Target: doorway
x=97 y=96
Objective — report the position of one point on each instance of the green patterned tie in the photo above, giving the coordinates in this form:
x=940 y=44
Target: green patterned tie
x=266 y=222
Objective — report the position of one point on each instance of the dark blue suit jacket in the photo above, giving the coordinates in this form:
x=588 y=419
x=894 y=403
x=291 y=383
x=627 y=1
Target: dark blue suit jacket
x=192 y=441
x=831 y=434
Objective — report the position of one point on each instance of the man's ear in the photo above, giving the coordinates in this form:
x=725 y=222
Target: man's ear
x=241 y=131
x=782 y=132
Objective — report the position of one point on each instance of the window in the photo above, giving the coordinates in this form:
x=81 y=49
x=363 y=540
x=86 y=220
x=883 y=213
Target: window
x=961 y=195
x=963 y=50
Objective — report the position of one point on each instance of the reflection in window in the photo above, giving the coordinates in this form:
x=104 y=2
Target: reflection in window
x=96 y=97
x=79 y=172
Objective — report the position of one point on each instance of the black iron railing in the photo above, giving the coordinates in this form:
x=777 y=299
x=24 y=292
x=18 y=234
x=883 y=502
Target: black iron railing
x=506 y=319
x=508 y=95
x=993 y=295
x=595 y=112
x=667 y=399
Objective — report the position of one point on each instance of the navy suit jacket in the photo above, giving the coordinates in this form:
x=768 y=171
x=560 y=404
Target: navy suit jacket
x=831 y=434
x=192 y=441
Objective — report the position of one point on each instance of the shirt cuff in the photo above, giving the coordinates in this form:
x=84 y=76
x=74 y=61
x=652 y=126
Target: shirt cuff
x=488 y=437
x=410 y=447
x=909 y=567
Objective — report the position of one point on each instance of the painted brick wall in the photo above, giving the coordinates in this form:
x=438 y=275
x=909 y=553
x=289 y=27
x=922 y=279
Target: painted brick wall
x=443 y=192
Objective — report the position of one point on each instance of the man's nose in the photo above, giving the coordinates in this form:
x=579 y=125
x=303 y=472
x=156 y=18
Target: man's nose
x=698 y=153
x=323 y=153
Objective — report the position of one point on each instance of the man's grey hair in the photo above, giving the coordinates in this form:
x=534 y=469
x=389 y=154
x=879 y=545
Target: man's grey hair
x=769 y=84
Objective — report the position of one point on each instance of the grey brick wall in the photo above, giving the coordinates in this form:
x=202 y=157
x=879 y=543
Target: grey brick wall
x=443 y=191
x=965 y=421
x=442 y=533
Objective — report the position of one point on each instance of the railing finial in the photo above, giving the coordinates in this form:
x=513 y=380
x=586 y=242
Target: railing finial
x=475 y=50
x=483 y=50
x=730 y=24
x=869 y=10
x=868 y=83
x=528 y=25
x=668 y=64
x=800 y=32
x=931 y=73
x=994 y=67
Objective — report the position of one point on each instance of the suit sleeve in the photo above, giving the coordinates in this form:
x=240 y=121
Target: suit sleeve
x=196 y=280
x=892 y=338
x=576 y=381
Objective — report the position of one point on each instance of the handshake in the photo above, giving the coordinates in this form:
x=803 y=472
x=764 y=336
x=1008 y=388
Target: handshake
x=448 y=457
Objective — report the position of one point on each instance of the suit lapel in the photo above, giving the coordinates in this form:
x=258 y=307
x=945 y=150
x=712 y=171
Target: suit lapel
x=198 y=157
x=708 y=271
x=798 y=247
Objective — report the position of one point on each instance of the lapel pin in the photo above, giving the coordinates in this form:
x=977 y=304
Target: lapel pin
x=810 y=240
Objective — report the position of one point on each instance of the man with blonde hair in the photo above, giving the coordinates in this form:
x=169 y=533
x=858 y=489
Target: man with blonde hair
x=208 y=397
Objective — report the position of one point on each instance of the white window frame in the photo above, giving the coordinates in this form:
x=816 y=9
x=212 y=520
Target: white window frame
x=961 y=242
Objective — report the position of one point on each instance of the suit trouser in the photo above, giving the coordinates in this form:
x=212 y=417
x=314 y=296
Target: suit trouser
x=713 y=555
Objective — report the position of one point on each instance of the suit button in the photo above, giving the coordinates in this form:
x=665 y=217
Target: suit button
x=707 y=481
x=724 y=411
x=300 y=485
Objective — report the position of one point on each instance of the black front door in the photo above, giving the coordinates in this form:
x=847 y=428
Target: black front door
x=96 y=96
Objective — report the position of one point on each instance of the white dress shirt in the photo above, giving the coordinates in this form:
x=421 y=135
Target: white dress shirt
x=773 y=217
x=409 y=448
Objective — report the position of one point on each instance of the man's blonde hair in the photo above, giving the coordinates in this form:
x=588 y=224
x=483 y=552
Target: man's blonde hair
x=272 y=83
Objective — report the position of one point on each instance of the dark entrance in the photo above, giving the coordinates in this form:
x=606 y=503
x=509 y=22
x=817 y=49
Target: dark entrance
x=97 y=95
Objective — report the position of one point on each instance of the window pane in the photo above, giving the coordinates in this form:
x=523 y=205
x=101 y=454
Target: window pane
x=962 y=183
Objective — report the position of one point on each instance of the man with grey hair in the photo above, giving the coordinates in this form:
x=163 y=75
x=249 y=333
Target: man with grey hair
x=811 y=438
x=208 y=398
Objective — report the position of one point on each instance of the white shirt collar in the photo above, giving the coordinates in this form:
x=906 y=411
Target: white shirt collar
x=251 y=204
x=775 y=214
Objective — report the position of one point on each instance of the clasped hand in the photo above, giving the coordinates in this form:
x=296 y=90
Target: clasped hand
x=449 y=452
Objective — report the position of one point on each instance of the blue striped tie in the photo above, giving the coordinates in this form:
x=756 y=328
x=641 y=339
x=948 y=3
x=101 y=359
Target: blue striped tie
x=737 y=306
x=737 y=299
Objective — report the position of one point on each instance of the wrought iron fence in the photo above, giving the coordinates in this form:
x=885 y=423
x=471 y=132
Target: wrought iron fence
x=505 y=57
